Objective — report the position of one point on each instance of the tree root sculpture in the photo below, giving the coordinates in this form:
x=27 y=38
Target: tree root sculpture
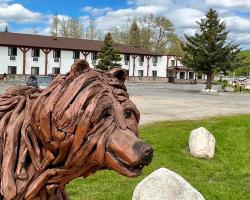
x=83 y=122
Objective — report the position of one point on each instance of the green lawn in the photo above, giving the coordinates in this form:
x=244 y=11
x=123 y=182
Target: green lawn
x=226 y=176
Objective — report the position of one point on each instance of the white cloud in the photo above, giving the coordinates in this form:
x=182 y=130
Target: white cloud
x=229 y=3
x=18 y=14
x=95 y=11
x=120 y=17
x=237 y=24
x=185 y=17
x=149 y=2
x=3 y=24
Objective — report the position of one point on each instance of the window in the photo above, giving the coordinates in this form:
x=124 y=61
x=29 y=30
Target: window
x=34 y=70
x=154 y=59
x=76 y=54
x=126 y=57
x=55 y=70
x=11 y=69
x=182 y=75
x=35 y=53
x=93 y=56
x=191 y=75
x=199 y=76
x=127 y=72
x=12 y=51
x=141 y=59
x=172 y=62
x=57 y=53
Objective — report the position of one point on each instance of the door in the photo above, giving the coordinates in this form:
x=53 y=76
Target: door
x=34 y=71
x=140 y=74
x=12 y=70
x=154 y=73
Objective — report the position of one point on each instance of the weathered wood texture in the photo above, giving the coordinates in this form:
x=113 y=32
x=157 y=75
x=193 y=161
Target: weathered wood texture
x=83 y=122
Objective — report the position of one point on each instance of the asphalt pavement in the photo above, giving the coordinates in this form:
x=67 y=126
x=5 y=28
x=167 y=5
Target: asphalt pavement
x=157 y=102
x=164 y=101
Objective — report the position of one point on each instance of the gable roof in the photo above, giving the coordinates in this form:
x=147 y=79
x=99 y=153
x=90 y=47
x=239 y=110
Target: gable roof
x=41 y=41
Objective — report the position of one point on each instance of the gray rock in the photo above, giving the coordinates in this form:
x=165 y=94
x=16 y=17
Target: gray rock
x=202 y=143
x=164 y=184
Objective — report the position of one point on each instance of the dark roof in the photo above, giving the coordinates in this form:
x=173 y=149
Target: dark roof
x=28 y=40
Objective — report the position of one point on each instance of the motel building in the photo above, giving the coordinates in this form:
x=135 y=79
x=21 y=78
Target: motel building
x=22 y=55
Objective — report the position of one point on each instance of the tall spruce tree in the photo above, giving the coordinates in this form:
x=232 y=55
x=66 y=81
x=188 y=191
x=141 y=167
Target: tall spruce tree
x=134 y=35
x=208 y=52
x=109 y=55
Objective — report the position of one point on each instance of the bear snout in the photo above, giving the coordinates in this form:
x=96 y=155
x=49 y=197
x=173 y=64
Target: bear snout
x=145 y=151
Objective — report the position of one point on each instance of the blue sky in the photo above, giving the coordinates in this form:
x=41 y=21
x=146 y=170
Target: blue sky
x=29 y=15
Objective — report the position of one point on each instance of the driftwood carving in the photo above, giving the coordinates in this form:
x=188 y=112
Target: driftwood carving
x=83 y=122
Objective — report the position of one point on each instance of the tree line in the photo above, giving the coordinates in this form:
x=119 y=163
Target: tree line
x=72 y=27
x=153 y=33
x=208 y=51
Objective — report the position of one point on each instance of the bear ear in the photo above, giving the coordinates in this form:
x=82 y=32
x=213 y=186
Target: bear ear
x=79 y=67
x=118 y=73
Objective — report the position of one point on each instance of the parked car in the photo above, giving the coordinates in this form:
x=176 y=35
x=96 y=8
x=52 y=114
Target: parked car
x=39 y=81
x=240 y=81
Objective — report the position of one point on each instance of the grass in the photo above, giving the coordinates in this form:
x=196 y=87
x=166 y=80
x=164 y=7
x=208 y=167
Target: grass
x=242 y=89
x=226 y=176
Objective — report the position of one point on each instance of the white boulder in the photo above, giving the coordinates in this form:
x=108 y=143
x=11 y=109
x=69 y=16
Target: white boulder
x=209 y=91
x=164 y=184
x=247 y=87
x=213 y=91
x=202 y=143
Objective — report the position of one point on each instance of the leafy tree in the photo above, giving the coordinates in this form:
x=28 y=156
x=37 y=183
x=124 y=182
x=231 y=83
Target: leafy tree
x=175 y=46
x=109 y=55
x=154 y=33
x=64 y=30
x=75 y=28
x=66 y=27
x=134 y=35
x=243 y=70
x=208 y=52
x=91 y=32
x=119 y=36
x=146 y=24
x=163 y=29
x=55 y=26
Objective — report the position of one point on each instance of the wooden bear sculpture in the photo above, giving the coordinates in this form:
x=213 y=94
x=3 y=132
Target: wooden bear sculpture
x=83 y=122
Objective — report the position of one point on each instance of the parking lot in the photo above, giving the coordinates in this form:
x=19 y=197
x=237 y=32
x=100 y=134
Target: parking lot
x=158 y=101
x=162 y=101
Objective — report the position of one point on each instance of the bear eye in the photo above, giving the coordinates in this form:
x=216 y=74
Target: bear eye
x=128 y=114
x=106 y=114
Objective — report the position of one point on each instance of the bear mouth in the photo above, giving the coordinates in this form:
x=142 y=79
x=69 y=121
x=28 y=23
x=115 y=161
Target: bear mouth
x=119 y=165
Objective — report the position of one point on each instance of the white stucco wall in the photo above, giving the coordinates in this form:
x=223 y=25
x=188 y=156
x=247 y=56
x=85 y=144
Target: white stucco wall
x=30 y=63
x=5 y=61
x=67 y=60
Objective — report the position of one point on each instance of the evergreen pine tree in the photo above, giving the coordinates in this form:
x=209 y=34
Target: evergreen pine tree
x=134 y=35
x=208 y=52
x=109 y=55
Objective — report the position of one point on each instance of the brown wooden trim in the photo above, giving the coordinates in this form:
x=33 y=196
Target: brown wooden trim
x=134 y=56
x=85 y=54
x=46 y=52
x=148 y=58
x=24 y=50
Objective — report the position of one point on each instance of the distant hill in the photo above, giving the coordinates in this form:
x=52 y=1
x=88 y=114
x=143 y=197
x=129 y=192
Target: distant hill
x=246 y=54
x=244 y=71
